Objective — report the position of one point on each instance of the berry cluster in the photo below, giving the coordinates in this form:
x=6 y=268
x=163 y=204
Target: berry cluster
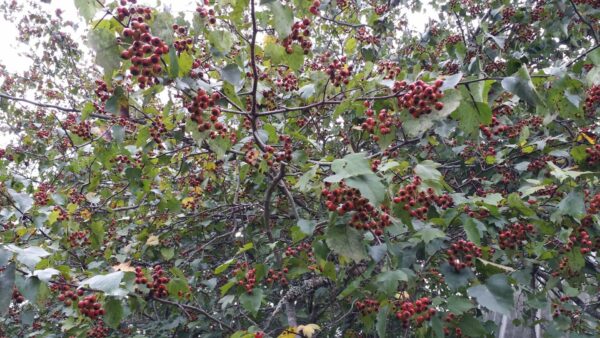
x=592 y=100
x=99 y=330
x=201 y=102
x=384 y=120
x=144 y=52
x=289 y=82
x=593 y=153
x=17 y=296
x=417 y=202
x=339 y=72
x=139 y=276
x=540 y=163
x=277 y=276
x=380 y=10
x=592 y=3
x=515 y=235
x=42 y=195
x=462 y=253
x=158 y=287
x=365 y=216
x=90 y=307
x=305 y=247
x=419 y=311
x=538 y=13
x=507 y=14
x=314 y=8
x=452 y=40
x=183 y=42
x=122 y=161
x=300 y=34
x=494 y=67
x=67 y=296
x=391 y=69
x=79 y=238
x=581 y=237
x=157 y=129
x=207 y=13
x=564 y=269
x=342 y=4
x=420 y=97
x=594 y=206
x=285 y=154
x=83 y=129
x=364 y=36
x=102 y=91
x=62 y=214
x=249 y=280
x=367 y=306
x=124 y=12
x=480 y=213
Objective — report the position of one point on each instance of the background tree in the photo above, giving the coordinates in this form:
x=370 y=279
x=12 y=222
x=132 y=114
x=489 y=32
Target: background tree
x=294 y=168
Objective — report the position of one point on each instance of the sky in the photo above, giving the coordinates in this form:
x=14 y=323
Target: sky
x=15 y=63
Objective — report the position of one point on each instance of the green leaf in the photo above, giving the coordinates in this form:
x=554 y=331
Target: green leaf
x=251 y=302
x=224 y=266
x=572 y=205
x=563 y=174
x=346 y=241
x=177 y=285
x=459 y=305
x=370 y=187
x=472 y=327
x=222 y=41
x=231 y=73
x=471 y=230
x=388 y=281
x=87 y=8
x=427 y=170
x=167 y=253
x=307 y=226
x=382 y=320
x=173 y=64
x=296 y=59
x=28 y=256
x=515 y=202
x=429 y=234
x=114 y=312
x=7 y=281
x=456 y=279
x=102 y=41
x=350 y=46
x=520 y=84
x=349 y=166
x=496 y=295
x=109 y=283
x=23 y=201
x=282 y=19
x=275 y=52
x=46 y=274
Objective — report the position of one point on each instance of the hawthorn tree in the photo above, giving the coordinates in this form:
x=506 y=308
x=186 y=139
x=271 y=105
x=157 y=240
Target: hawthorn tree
x=297 y=168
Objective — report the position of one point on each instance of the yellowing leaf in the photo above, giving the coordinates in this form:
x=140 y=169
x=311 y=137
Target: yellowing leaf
x=308 y=330
x=290 y=332
x=210 y=166
x=584 y=136
x=269 y=39
x=85 y=214
x=152 y=240
x=126 y=266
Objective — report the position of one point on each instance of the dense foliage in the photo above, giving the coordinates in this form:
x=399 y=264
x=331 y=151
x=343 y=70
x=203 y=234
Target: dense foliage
x=298 y=168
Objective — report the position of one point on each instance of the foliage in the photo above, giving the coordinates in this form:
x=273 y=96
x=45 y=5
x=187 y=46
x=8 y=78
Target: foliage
x=301 y=168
